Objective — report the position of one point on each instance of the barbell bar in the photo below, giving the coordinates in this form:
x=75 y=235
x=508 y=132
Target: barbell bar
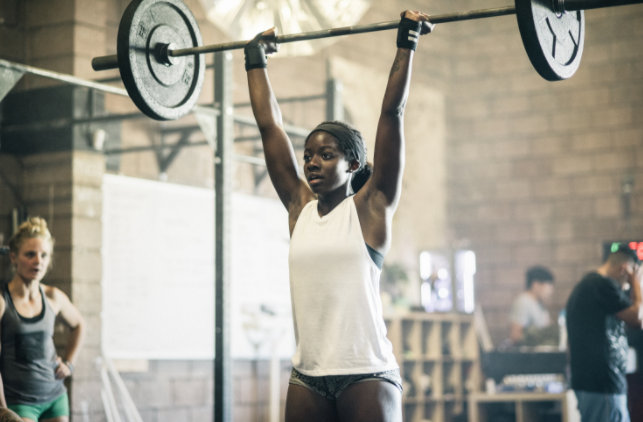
x=159 y=46
x=111 y=62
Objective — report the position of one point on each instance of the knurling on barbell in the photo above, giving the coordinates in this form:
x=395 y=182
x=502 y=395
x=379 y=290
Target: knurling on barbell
x=159 y=46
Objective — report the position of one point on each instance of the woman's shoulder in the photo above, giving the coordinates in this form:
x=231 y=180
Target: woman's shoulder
x=56 y=297
x=3 y=302
x=52 y=293
x=296 y=211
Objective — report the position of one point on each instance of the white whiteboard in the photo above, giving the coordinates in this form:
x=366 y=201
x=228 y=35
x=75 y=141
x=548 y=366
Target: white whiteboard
x=158 y=272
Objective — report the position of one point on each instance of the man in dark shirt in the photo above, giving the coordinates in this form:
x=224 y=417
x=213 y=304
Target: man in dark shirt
x=597 y=311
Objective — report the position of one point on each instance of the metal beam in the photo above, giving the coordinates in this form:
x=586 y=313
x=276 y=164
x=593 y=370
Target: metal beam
x=290 y=129
x=8 y=79
x=165 y=160
x=222 y=188
x=285 y=100
x=334 y=102
x=63 y=77
x=74 y=80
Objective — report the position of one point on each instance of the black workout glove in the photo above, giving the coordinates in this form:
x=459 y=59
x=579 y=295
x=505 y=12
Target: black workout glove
x=257 y=48
x=255 y=54
x=408 y=33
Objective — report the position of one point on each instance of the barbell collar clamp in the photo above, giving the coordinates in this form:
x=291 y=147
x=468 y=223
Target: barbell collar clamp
x=162 y=53
x=558 y=6
x=105 y=62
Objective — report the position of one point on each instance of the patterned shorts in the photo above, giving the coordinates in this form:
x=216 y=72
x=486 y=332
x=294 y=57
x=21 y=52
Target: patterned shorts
x=332 y=386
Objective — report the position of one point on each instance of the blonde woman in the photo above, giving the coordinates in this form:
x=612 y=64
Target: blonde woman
x=32 y=373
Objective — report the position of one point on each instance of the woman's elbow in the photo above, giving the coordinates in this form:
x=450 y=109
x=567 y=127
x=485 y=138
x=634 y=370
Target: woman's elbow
x=393 y=112
x=80 y=325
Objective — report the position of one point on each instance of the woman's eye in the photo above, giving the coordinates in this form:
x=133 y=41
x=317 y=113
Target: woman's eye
x=306 y=158
x=327 y=156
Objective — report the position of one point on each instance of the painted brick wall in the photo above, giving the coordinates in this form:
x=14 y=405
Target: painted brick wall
x=536 y=168
x=169 y=391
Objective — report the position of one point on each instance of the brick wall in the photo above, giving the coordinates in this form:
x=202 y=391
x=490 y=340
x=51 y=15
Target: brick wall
x=169 y=391
x=536 y=168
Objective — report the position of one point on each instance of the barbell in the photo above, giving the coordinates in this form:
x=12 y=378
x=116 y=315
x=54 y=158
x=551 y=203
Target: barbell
x=159 y=46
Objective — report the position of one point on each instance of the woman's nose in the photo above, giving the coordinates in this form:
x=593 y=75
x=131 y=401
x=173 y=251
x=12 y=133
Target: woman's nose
x=313 y=162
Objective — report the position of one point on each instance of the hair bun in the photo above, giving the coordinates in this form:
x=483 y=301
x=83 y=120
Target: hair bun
x=361 y=176
x=32 y=227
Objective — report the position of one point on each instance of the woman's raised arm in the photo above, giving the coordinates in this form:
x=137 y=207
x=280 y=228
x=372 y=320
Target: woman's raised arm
x=278 y=150
x=388 y=161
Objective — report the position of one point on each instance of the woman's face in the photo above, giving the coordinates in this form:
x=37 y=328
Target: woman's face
x=33 y=258
x=325 y=166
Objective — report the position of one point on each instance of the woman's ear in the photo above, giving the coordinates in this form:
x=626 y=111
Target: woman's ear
x=353 y=166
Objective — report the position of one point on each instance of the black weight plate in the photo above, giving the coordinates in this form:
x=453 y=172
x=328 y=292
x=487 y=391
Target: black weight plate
x=161 y=91
x=553 y=41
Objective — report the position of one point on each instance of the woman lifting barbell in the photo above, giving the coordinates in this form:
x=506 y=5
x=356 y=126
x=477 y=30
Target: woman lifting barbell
x=340 y=218
x=32 y=372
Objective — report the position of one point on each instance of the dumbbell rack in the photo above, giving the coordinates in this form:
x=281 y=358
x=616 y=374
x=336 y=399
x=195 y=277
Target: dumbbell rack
x=439 y=361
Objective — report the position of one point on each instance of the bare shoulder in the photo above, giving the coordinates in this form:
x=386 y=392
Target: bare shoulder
x=50 y=291
x=56 y=296
x=296 y=207
x=62 y=305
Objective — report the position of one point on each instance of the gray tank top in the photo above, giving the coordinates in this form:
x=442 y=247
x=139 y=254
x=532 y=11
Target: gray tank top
x=28 y=356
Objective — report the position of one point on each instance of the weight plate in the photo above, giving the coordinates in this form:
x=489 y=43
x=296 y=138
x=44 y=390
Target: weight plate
x=163 y=91
x=553 y=41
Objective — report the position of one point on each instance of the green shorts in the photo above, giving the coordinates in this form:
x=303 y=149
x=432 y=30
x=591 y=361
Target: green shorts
x=53 y=409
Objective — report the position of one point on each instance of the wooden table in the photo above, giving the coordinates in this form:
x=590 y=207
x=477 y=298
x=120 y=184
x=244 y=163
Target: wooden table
x=526 y=405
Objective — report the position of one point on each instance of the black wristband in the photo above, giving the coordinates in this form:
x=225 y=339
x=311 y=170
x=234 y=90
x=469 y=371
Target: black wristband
x=255 y=55
x=408 y=33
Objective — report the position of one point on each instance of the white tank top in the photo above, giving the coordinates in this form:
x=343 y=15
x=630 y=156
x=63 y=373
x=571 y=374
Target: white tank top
x=334 y=284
